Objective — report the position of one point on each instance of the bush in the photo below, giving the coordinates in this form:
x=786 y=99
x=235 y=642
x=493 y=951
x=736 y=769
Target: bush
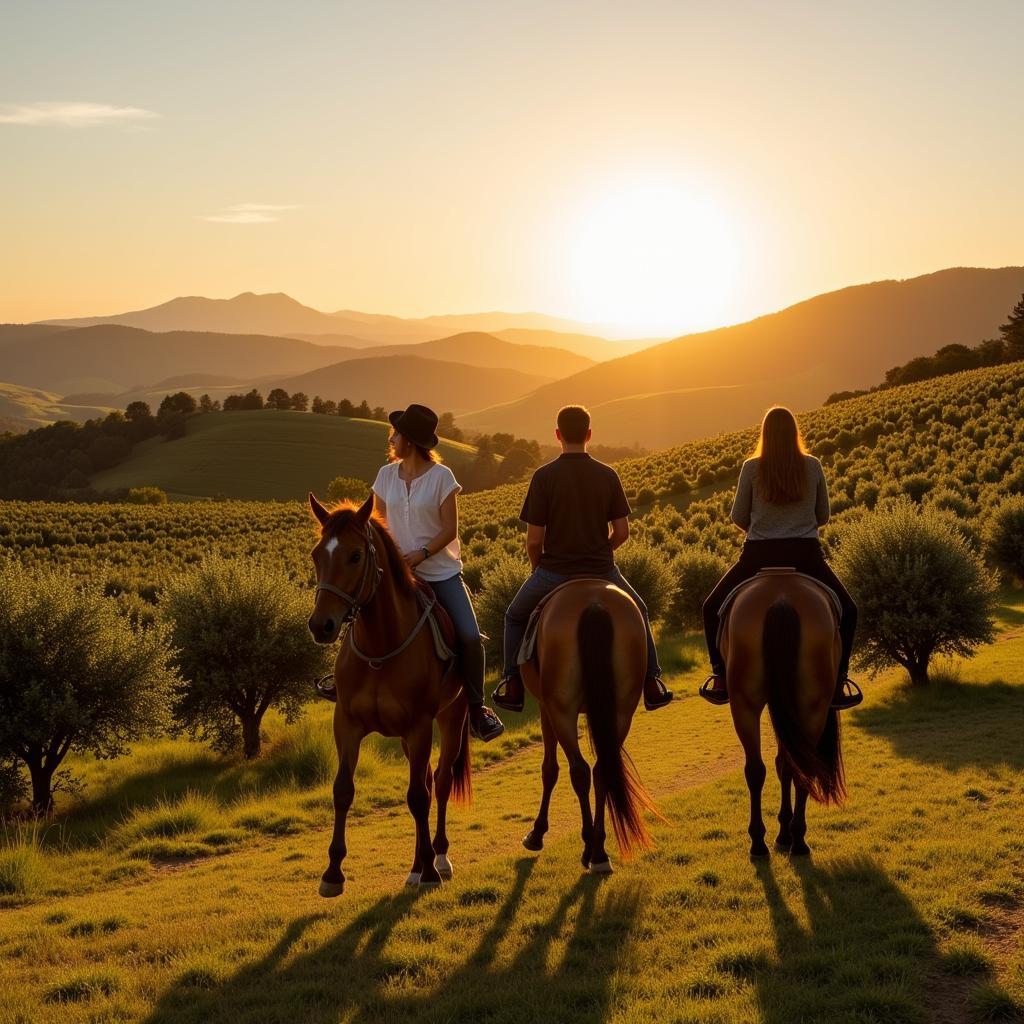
x=919 y=588
x=348 y=488
x=1004 y=537
x=649 y=573
x=696 y=571
x=242 y=646
x=74 y=674
x=499 y=585
x=146 y=496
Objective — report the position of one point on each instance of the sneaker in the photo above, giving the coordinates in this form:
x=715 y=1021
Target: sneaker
x=484 y=724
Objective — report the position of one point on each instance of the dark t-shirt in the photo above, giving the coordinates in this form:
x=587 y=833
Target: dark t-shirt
x=575 y=498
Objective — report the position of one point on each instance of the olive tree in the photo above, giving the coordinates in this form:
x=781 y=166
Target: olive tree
x=74 y=675
x=1004 y=536
x=696 y=571
x=920 y=589
x=242 y=646
x=650 y=574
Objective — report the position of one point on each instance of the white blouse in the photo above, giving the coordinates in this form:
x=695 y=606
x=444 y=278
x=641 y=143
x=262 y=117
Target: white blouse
x=414 y=516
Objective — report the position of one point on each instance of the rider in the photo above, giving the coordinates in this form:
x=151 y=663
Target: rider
x=417 y=495
x=567 y=510
x=781 y=500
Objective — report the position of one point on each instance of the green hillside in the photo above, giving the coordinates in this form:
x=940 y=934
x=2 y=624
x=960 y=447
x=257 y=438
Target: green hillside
x=261 y=455
x=24 y=408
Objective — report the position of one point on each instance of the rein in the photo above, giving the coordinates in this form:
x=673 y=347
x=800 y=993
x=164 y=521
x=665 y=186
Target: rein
x=356 y=606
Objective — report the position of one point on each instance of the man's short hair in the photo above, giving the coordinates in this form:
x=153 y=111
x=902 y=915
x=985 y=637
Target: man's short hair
x=573 y=424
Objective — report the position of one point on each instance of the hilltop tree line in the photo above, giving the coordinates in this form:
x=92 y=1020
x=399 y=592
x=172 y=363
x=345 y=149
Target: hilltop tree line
x=1007 y=348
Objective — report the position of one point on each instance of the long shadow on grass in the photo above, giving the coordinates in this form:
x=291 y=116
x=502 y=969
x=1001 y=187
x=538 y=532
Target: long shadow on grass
x=952 y=724
x=863 y=955
x=364 y=974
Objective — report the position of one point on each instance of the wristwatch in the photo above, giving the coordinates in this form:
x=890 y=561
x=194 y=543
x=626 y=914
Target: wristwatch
x=426 y=552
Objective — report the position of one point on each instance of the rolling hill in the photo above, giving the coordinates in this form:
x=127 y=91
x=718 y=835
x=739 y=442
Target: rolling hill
x=27 y=408
x=261 y=455
x=719 y=380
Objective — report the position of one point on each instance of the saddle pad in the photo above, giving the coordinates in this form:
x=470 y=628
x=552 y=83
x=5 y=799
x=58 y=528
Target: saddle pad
x=528 y=648
x=442 y=629
x=723 y=608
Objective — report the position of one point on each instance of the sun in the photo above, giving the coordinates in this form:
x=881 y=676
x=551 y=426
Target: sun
x=652 y=257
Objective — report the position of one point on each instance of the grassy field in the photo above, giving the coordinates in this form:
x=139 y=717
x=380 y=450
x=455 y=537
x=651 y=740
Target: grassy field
x=183 y=886
x=261 y=455
x=24 y=408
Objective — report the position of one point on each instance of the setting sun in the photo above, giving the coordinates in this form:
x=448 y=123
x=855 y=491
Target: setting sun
x=654 y=256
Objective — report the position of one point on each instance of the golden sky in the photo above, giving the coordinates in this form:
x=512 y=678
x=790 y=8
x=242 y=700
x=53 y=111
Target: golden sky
x=656 y=166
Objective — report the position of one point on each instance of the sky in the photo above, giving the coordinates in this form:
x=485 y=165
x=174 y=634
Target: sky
x=654 y=167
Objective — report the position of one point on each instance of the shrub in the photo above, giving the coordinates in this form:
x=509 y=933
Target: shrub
x=146 y=496
x=1004 y=536
x=74 y=674
x=242 y=646
x=347 y=488
x=22 y=861
x=498 y=586
x=919 y=588
x=696 y=571
x=649 y=573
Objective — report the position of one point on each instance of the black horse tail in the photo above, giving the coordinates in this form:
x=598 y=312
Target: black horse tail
x=462 y=770
x=818 y=768
x=627 y=797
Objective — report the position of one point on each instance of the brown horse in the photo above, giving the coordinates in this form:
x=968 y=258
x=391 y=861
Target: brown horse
x=388 y=680
x=591 y=658
x=781 y=645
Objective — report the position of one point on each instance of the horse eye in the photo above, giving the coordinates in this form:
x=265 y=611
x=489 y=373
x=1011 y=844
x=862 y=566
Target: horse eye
x=356 y=555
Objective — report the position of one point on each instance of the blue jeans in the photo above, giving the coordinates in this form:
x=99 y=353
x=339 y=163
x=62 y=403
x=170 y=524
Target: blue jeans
x=540 y=583
x=454 y=598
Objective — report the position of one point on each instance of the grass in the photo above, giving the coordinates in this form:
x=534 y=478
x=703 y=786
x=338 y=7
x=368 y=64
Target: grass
x=261 y=455
x=912 y=893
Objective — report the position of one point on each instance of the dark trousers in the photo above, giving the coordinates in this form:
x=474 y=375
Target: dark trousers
x=804 y=555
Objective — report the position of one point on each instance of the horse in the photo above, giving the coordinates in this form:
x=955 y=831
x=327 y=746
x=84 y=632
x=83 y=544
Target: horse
x=780 y=642
x=591 y=658
x=388 y=680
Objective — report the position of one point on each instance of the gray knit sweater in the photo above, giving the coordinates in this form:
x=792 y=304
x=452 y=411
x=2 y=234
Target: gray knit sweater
x=765 y=521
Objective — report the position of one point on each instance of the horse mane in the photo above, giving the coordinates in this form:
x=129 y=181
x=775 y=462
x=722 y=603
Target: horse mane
x=344 y=515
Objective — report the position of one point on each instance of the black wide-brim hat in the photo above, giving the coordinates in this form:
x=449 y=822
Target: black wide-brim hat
x=417 y=424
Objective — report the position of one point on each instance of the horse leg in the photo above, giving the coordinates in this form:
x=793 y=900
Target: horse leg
x=784 y=841
x=534 y=839
x=565 y=726
x=748 y=728
x=347 y=736
x=450 y=721
x=800 y=847
x=418 y=744
x=599 y=862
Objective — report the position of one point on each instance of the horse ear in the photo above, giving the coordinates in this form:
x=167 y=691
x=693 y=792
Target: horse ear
x=363 y=513
x=319 y=511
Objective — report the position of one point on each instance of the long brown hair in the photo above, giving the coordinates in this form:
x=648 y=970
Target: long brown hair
x=781 y=474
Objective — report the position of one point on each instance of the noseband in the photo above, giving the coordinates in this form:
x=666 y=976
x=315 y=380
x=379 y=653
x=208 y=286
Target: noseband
x=371 y=568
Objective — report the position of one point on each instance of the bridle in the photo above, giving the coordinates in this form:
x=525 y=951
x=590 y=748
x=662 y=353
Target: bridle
x=372 y=574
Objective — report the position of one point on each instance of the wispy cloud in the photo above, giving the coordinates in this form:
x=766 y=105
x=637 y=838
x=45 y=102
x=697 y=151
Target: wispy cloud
x=74 y=115
x=249 y=213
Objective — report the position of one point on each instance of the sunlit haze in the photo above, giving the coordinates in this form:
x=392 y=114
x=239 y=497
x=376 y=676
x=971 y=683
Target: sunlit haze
x=652 y=167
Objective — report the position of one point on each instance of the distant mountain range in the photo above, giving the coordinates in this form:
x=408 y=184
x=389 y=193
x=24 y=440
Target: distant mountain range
x=280 y=315
x=701 y=384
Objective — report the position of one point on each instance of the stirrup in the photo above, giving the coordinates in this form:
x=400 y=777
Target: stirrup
x=850 y=696
x=710 y=694
x=501 y=698
x=495 y=727
x=664 y=695
x=328 y=692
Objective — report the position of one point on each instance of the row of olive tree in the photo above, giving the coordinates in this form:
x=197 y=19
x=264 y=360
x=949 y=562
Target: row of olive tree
x=75 y=676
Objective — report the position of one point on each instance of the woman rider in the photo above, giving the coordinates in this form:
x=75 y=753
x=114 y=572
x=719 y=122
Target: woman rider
x=417 y=497
x=781 y=500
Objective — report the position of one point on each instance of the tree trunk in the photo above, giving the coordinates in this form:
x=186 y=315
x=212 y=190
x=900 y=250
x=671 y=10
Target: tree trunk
x=251 y=735
x=918 y=672
x=42 y=789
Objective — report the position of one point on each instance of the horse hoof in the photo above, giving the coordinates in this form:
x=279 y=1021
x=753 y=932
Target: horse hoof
x=430 y=883
x=533 y=843
x=759 y=855
x=443 y=866
x=331 y=889
x=800 y=851
x=601 y=867
x=781 y=847
x=414 y=878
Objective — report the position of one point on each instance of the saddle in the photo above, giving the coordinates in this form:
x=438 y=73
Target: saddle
x=442 y=629
x=528 y=648
x=774 y=570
